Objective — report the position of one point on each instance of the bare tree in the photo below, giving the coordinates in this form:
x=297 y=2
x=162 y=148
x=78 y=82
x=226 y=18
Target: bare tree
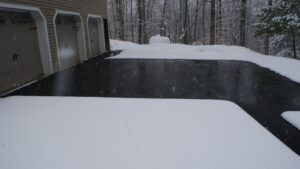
x=131 y=17
x=141 y=13
x=196 y=19
x=203 y=21
x=220 y=22
x=184 y=18
x=163 y=29
x=119 y=4
x=267 y=38
x=144 y=22
x=212 y=21
x=187 y=21
x=243 y=11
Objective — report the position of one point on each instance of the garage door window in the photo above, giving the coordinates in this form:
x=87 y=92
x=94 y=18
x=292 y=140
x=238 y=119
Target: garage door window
x=21 y=18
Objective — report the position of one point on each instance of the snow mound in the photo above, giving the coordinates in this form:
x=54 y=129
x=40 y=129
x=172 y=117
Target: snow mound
x=104 y=133
x=287 y=67
x=293 y=117
x=159 y=39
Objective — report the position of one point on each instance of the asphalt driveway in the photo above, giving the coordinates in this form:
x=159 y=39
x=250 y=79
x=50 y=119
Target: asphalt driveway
x=259 y=91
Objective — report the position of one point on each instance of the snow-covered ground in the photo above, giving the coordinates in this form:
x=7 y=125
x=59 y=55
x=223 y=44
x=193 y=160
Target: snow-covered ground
x=104 y=133
x=284 y=66
x=293 y=117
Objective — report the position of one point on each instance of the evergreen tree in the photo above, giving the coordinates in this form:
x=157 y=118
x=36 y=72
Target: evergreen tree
x=282 y=21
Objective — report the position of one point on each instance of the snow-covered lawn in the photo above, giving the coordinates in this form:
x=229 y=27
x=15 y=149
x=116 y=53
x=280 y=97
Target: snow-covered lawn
x=284 y=66
x=104 y=133
x=293 y=117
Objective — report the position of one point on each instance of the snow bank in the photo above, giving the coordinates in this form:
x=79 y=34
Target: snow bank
x=293 y=117
x=98 y=133
x=159 y=39
x=287 y=67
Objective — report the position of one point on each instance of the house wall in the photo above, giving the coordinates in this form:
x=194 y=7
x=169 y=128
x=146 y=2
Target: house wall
x=48 y=8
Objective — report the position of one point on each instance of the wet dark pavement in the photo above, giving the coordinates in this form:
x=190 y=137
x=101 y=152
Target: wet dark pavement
x=259 y=91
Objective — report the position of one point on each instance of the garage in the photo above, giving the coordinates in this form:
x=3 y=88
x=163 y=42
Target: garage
x=20 y=60
x=67 y=37
x=94 y=37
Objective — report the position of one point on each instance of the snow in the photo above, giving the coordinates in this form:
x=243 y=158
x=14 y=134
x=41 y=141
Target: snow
x=287 y=67
x=293 y=117
x=159 y=39
x=107 y=133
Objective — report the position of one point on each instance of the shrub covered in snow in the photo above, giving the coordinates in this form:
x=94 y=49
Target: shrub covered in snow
x=281 y=21
x=159 y=39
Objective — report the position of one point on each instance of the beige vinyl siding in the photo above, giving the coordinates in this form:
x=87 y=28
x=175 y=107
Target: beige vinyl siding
x=48 y=8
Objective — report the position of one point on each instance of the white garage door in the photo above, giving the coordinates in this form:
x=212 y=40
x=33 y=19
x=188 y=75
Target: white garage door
x=67 y=31
x=20 y=60
x=94 y=37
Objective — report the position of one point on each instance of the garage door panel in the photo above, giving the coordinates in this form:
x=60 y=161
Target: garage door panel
x=20 y=60
x=67 y=40
x=94 y=37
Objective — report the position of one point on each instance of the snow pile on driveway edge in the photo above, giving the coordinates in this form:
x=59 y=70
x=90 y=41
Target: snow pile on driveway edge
x=159 y=39
x=293 y=117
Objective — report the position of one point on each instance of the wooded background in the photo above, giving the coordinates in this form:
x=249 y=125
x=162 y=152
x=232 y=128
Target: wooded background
x=267 y=26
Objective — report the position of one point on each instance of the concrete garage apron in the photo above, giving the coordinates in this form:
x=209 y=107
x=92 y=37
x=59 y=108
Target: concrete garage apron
x=67 y=40
x=20 y=60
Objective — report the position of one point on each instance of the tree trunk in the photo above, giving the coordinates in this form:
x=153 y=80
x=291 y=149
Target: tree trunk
x=196 y=20
x=184 y=7
x=176 y=31
x=120 y=19
x=131 y=16
x=266 y=45
x=163 y=24
x=140 y=21
x=212 y=22
x=243 y=23
x=144 y=23
x=267 y=38
x=114 y=20
x=220 y=22
x=294 y=43
x=203 y=21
